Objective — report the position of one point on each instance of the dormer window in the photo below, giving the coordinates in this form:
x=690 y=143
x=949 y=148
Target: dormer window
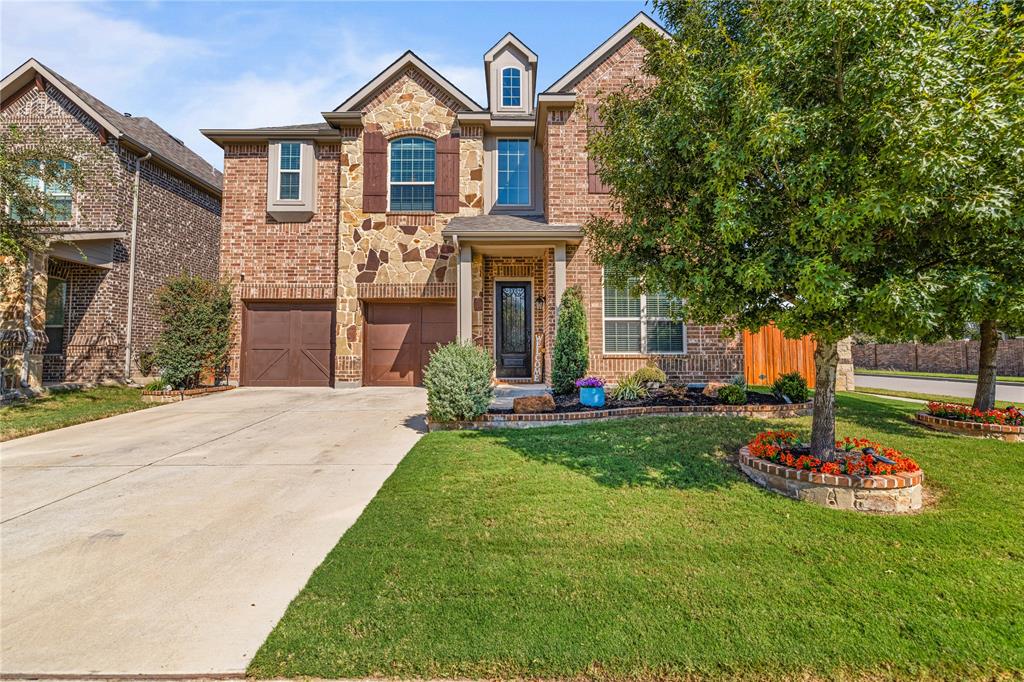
x=511 y=87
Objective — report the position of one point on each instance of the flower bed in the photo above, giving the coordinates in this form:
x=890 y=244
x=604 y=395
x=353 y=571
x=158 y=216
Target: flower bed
x=862 y=475
x=1006 y=423
x=658 y=397
x=173 y=396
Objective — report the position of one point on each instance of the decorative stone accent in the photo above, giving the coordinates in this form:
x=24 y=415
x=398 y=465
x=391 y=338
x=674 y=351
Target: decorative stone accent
x=844 y=371
x=1007 y=432
x=402 y=291
x=178 y=396
x=533 y=404
x=505 y=421
x=897 y=493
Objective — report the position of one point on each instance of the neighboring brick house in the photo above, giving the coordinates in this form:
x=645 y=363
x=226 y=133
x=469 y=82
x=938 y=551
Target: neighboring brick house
x=413 y=215
x=94 y=293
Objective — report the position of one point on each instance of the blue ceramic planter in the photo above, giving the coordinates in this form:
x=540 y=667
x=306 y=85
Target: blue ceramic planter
x=592 y=397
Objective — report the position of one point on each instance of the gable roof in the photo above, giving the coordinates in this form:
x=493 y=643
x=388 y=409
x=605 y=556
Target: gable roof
x=510 y=39
x=566 y=83
x=138 y=131
x=409 y=58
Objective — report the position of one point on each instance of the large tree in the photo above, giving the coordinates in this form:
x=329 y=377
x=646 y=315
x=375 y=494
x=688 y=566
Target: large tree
x=769 y=175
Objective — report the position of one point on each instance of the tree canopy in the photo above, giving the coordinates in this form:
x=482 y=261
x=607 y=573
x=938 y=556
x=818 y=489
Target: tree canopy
x=802 y=162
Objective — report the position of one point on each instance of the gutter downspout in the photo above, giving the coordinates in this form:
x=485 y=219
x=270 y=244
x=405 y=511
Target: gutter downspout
x=131 y=269
x=30 y=332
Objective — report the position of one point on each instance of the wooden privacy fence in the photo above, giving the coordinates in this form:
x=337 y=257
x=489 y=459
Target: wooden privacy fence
x=768 y=354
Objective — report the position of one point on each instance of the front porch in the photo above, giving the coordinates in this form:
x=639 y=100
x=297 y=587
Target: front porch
x=511 y=277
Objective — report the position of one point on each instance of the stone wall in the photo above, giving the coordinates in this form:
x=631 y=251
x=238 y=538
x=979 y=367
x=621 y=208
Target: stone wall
x=955 y=357
x=178 y=231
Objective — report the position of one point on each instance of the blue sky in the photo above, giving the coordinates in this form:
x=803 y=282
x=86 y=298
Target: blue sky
x=192 y=65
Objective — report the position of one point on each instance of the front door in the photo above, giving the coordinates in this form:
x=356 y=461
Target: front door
x=512 y=325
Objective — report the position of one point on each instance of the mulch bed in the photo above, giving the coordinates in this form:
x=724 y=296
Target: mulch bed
x=667 y=397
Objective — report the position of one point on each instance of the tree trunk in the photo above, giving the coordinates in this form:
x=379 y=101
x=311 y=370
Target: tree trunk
x=823 y=424
x=985 y=394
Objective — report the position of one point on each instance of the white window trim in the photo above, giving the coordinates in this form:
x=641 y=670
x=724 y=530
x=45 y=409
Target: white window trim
x=643 y=320
x=37 y=182
x=529 y=172
x=401 y=184
x=501 y=88
x=281 y=171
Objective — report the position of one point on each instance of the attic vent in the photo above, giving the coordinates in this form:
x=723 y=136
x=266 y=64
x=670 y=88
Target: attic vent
x=127 y=115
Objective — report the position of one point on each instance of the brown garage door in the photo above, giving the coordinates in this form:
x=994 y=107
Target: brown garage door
x=399 y=338
x=287 y=344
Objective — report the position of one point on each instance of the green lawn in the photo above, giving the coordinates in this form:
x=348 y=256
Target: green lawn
x=923 y=396
x=64 y=408
x=634 y=550
x=932 y=375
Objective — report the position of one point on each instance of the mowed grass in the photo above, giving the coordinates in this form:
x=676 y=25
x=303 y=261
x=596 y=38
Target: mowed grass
x=933 y=375
x=635 y=550
x=58 y=409
x=924 y=397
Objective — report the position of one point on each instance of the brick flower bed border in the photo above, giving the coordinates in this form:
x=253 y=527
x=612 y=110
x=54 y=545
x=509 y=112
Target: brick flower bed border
x=896 y=493
x=178 y=396
x=1007 y=432
x=523 y=421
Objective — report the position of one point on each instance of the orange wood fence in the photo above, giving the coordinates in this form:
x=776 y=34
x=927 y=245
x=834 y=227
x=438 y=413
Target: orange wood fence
x=767 y=354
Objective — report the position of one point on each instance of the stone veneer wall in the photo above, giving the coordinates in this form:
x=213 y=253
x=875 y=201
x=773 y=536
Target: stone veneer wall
x=178 y=231
x=567 y=201
x=397 y=256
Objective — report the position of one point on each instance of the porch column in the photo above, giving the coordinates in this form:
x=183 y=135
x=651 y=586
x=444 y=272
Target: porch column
x=464 y=298
x=559 y=272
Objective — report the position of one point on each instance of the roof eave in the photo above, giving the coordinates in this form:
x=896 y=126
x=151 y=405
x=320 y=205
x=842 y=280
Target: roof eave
x=170 y=165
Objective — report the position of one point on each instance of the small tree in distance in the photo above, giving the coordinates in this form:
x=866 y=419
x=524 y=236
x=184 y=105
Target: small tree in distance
x=572 y=348
x=770 y=175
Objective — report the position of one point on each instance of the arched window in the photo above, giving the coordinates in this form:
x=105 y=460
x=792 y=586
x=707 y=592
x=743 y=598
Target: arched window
x=411 y=174
x=511 y=80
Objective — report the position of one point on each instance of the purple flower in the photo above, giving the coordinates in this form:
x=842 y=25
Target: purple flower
x=590 y=382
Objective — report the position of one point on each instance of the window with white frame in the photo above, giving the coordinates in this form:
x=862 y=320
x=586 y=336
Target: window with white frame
x=513 y=172
x=641 y=323
x=411 y=174
x=290 y=170
x=58 y=195
x=511 y=87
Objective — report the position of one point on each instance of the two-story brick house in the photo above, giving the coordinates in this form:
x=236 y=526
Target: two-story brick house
x=413 y=215
x=151 y=210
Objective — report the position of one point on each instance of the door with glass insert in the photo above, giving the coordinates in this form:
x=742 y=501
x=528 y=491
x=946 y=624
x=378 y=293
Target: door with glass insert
x=512 y=325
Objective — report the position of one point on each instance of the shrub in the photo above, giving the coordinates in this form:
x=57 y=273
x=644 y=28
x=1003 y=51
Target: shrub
x=629 y=389
x=732 y=394
x=156 y=385
x=792 y=386
x=145 y=360
x=458 y=382
x=572 y=349
x=196 y=317
x=651 y=374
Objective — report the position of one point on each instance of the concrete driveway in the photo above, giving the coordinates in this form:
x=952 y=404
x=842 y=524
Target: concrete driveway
x=170 y=541
x=958 y=388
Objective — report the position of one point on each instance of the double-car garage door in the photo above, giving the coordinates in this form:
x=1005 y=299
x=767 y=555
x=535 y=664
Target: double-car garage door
x=291 y=344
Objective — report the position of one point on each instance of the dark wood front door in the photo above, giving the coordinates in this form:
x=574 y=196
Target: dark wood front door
x=399 y=338
x=288 y=344
x=512 y=330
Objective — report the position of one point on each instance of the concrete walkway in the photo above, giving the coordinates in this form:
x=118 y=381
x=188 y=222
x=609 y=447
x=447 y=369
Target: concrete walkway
x=171 y=540
x=950 y=387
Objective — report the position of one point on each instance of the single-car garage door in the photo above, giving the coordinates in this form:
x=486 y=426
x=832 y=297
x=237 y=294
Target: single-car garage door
x=287 y=344
x=399 y=338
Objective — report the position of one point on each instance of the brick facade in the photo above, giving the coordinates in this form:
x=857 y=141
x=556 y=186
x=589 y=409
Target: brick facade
x=955 y=357
x=178 y=230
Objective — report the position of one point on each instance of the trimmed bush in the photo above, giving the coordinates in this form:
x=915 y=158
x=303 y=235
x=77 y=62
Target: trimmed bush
x=792 y=386
x=629 y=389
x=196 y=317
x=732 y=394
x=572 y=350
x=458 y=382
x=651 y=374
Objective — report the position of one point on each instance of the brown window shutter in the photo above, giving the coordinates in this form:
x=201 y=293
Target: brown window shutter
x=375 y=173
x=594 y=123
x=446 y=185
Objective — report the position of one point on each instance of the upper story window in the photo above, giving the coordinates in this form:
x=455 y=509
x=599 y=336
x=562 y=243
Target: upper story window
x=411 y=174
x=513 y=173
x=511 y=87
x=290 y=170
x=58 y=195
x=641 y=323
